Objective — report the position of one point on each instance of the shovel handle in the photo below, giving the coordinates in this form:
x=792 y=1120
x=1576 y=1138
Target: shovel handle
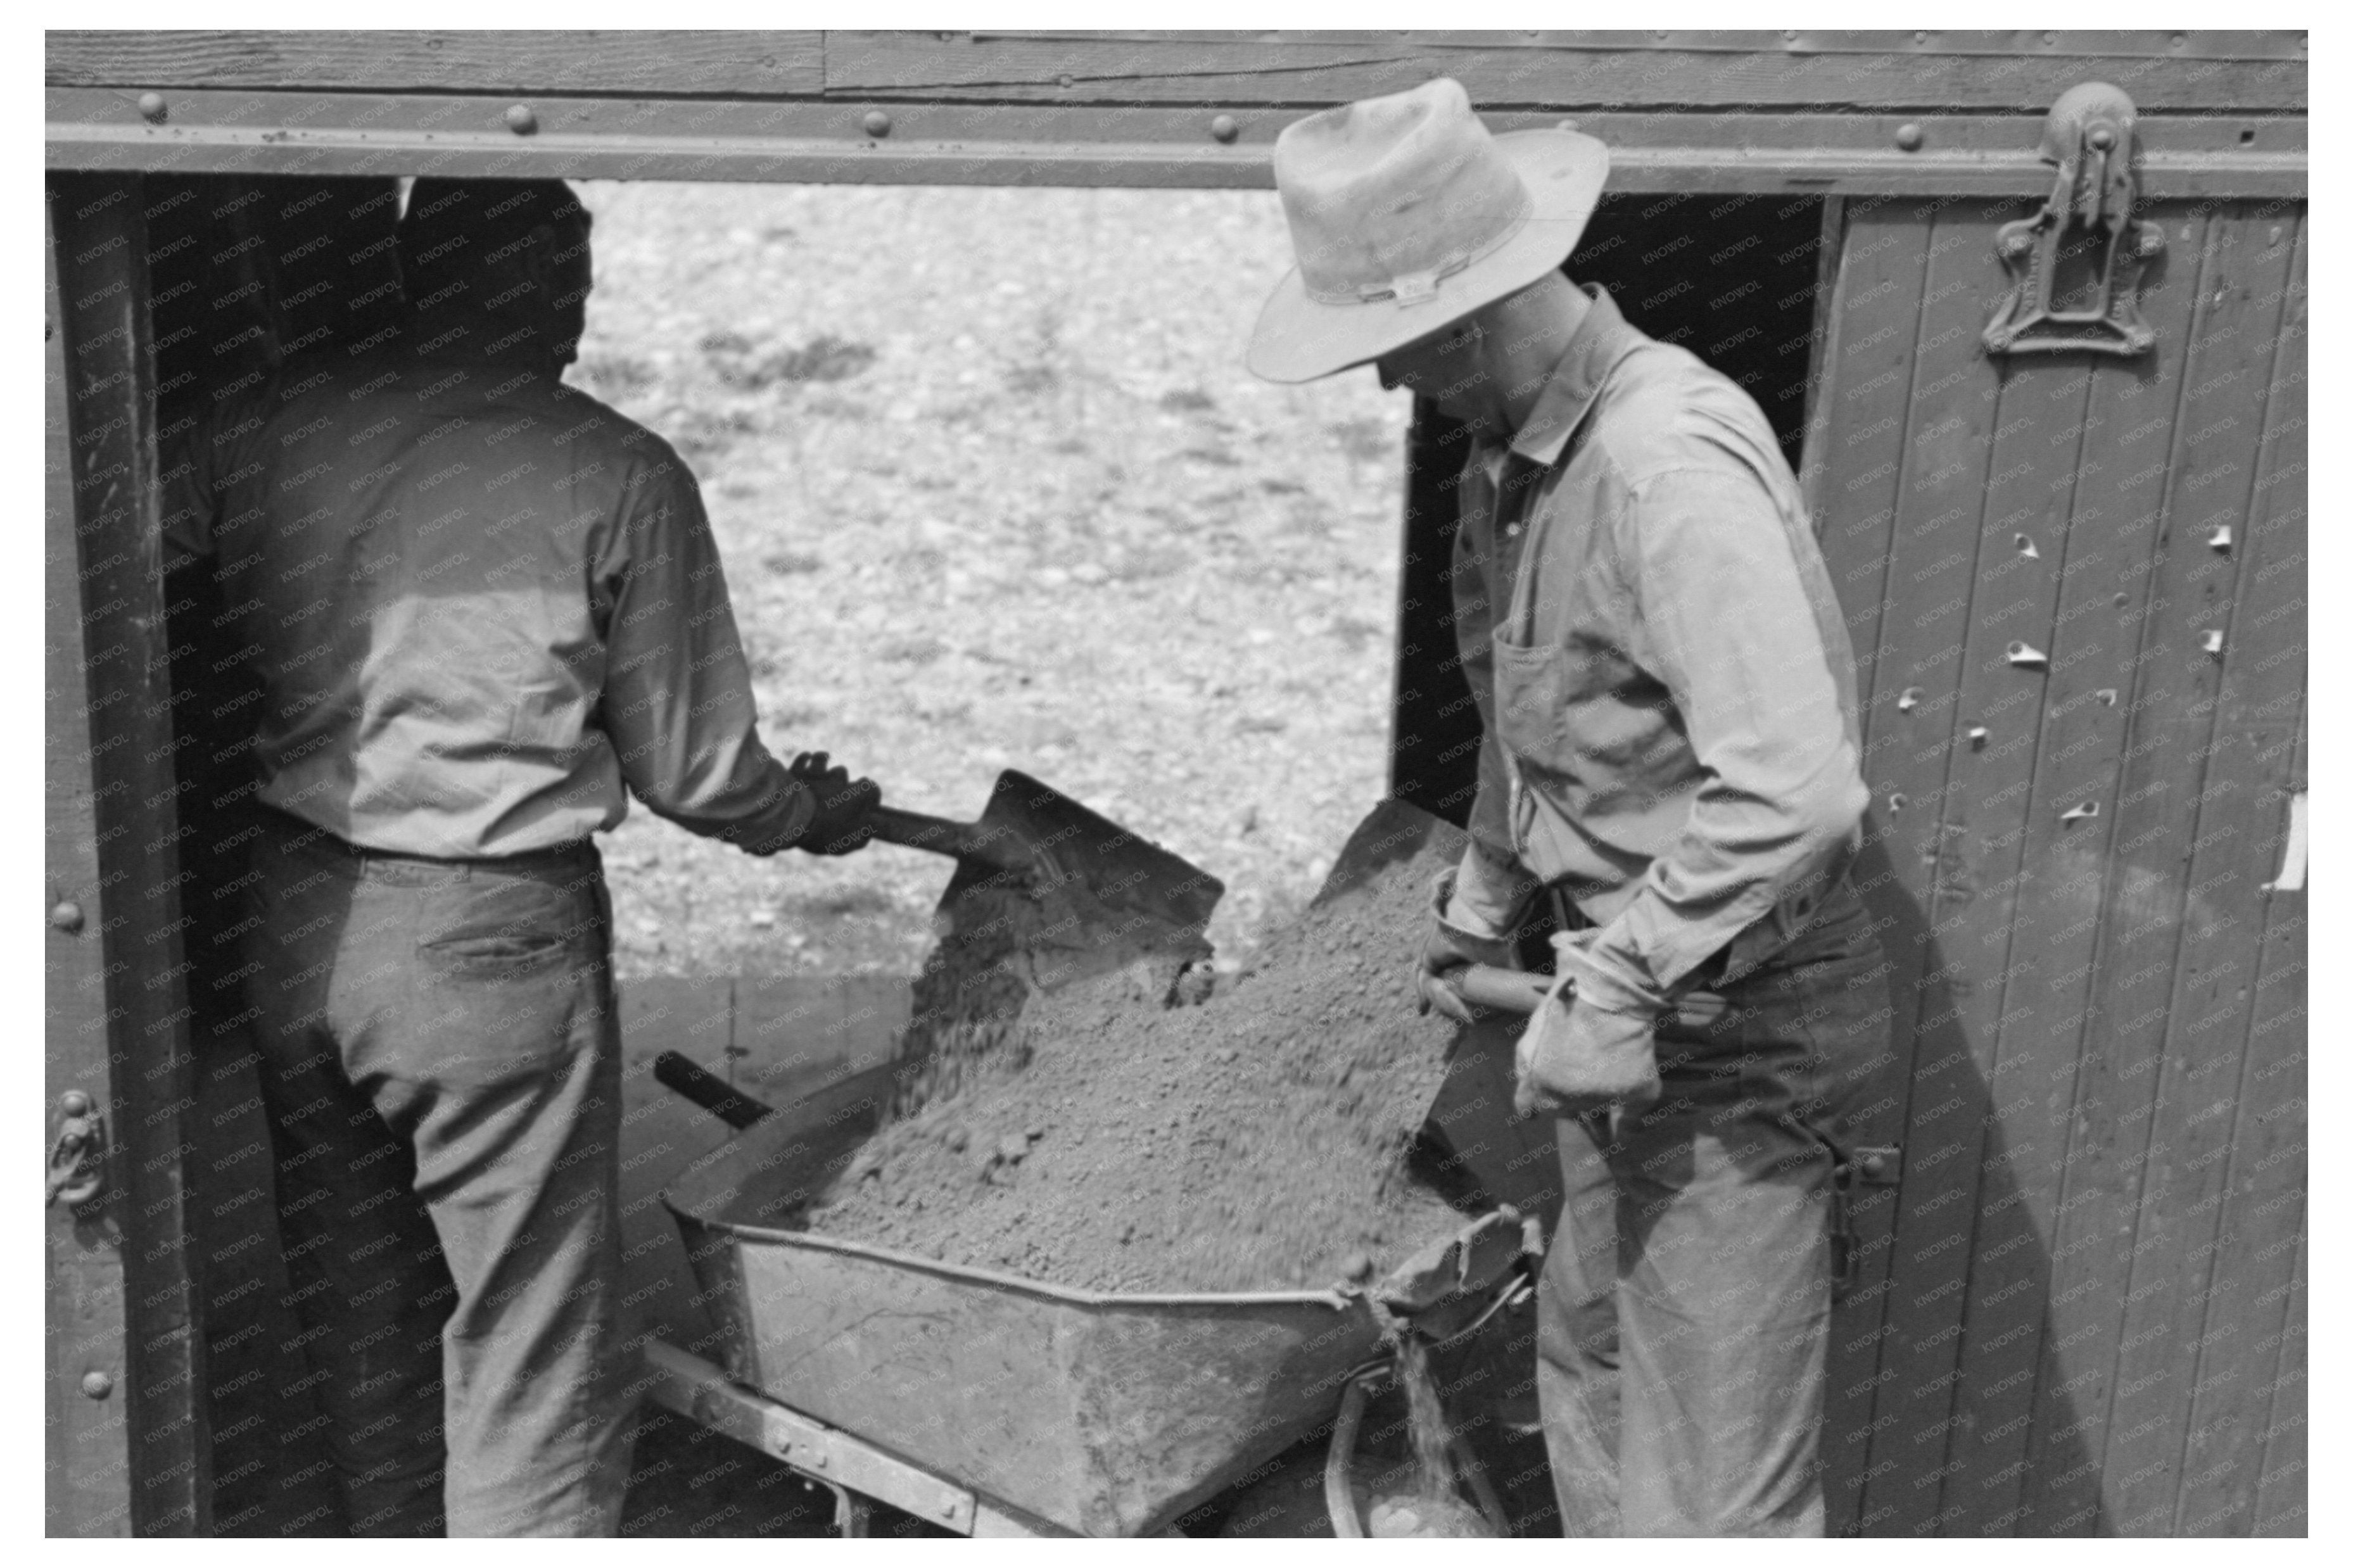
x=1505 y=990
x=965 y=840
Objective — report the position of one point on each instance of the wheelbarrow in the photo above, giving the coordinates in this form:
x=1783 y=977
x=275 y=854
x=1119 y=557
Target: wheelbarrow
x=990 y=1405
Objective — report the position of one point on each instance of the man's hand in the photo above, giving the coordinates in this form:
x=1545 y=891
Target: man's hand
x=1455 y=942
x=1589 y=1045
x=844 y=806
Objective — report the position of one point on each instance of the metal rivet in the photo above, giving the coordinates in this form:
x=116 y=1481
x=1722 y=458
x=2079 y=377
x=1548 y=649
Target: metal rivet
x=1909 y=700
x=2212 y=642
x=1977 y=734
x=74 y=1102
x=1224 y=129
x=2090 y=808
x=67 y=916
x=97 y=1385
x=152 y=109
x=1064 y=80
x=1875 y=1164
x=2276 y=232
x=878 y=124
x=2121 y=600
x=2026 y=547
x=2027 y=655
x=1894 y=803
x=2219 y=539
x=1909 y=136
x=1919 y=38
x=2102 y=138
x=2106 y=696
x=520 y=120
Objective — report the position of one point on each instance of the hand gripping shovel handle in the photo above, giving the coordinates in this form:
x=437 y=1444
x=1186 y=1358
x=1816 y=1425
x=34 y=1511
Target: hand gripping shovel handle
x=1504 y=990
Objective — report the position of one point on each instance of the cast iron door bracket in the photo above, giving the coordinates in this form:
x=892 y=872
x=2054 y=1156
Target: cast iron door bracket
x=2087 y=228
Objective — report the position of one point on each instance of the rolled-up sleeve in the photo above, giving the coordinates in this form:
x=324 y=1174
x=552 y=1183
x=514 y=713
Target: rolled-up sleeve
x=1726 y=624
x=677 y=702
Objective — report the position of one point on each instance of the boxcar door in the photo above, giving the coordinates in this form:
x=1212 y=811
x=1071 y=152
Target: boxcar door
x=2075 y=585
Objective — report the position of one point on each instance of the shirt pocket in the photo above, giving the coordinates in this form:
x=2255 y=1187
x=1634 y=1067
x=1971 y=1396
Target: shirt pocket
x=1575 y=709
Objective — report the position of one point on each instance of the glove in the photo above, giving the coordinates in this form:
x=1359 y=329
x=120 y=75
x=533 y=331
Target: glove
x=1450 y=946
x=844 y=806
x=1588 y=1046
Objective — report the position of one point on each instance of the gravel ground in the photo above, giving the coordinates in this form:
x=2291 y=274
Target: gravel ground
x=994 y=490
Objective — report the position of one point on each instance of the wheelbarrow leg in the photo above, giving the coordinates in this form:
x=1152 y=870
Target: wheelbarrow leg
x=853 y=1514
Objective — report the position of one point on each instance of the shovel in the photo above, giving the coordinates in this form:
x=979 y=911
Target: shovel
x=1046 y=893
x=1126 y=891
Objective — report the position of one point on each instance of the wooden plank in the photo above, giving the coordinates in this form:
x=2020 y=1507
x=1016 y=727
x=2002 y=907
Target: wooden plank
x=1869 y=335
x=2281 y=1507
x=1854 y=455
x=2091 y=538
x=1316 y=70
x=2123 y=889
x=88 y=1468
x=491 y=61
x=2178 y=979
x=2263 y=1218
x=2119 y=43
x=2041 y=445
x=2261 y=1224
x=2241 y=817
x=957 y=142
x=1947 y=432
x=101 y=244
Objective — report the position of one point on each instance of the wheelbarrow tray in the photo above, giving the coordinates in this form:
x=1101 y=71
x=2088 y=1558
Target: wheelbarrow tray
x=1104 y=1414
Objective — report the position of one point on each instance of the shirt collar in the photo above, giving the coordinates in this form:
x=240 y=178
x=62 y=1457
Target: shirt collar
x=1601 y=340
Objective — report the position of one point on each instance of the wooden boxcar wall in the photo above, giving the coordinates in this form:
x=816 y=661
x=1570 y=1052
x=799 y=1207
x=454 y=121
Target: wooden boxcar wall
x=2083 y=1308
x=2075 y=587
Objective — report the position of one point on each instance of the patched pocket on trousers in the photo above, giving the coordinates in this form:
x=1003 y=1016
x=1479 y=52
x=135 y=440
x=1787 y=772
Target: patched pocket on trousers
x=508 y=928
x=496 y=955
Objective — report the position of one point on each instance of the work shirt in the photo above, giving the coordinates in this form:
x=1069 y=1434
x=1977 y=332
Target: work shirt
x=1663 y=677
x=483 y=607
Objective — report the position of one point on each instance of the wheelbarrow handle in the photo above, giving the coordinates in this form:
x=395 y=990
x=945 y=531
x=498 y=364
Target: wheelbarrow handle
x=683 y=1075
x=965 y=840
x=1505 y=990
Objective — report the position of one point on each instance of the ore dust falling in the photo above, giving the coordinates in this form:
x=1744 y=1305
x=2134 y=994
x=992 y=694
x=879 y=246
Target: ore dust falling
x=1425 y=1419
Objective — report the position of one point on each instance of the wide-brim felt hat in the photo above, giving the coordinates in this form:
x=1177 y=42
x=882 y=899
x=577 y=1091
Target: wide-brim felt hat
x=1407 y=214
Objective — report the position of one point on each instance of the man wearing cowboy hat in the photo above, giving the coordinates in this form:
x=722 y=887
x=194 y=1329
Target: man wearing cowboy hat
x=1668 y=780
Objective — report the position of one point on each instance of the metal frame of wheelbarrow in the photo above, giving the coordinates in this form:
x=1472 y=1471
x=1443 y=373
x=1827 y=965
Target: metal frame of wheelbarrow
x=856 y=1473
x=1461 y=1286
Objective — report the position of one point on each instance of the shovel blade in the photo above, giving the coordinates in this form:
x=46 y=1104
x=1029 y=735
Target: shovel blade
x=1117 y=896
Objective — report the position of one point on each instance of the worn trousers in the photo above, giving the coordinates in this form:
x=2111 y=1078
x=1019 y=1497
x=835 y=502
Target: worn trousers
x=1684 y=1314
x=440 y=1064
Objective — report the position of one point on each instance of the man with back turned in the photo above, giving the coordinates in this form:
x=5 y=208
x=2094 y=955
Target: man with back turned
x=485 y=610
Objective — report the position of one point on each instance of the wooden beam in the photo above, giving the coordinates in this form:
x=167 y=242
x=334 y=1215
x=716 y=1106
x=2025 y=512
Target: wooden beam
x=643 y=138
x=1562 y=71
x=752 y=64
x=123 y=682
